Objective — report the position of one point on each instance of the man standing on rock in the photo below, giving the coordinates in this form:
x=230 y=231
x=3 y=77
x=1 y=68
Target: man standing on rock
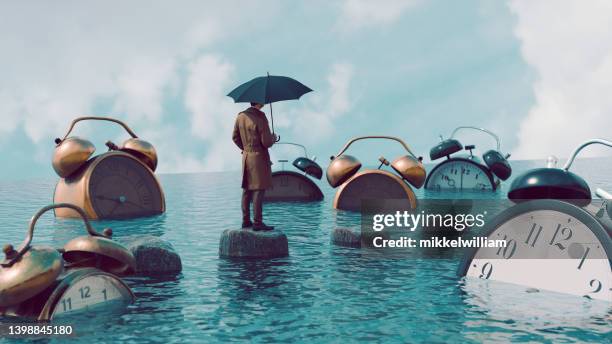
x=252 y=135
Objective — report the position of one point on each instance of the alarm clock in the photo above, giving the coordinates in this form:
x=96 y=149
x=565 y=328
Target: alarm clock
x=294 y=186
x=117 y=184
x=354 y=185
x=85 y=290
x=557 y=238
x=463 y=173
x=42 y=282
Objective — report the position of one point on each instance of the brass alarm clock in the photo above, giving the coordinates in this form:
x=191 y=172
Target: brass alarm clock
x=117 y=184
x=355 y=186
x=463 y=173
x=42 y=282
x=290 y=185
x=557 y=237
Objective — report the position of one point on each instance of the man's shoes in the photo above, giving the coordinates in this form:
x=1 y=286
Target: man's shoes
x=262 y=227
x=248 y=224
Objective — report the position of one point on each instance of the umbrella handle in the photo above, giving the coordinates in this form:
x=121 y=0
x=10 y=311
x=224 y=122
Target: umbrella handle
x=272 y=118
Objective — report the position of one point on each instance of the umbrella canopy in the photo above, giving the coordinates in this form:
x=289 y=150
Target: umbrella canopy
x=269 y=89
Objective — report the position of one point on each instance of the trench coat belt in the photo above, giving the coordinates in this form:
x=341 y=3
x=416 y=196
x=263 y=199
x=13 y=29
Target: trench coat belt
x=253 y=149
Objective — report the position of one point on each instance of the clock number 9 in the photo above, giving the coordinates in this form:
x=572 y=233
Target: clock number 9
x=486 y=271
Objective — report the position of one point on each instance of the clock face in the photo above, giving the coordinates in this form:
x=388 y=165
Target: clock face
x=121 y=187
x=460 y=174
x=292 y=186
x=92 y=291
x=550 y=245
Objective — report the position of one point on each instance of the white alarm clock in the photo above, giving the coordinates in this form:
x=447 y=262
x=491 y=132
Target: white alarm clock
x=85 y=289
x=556 y=237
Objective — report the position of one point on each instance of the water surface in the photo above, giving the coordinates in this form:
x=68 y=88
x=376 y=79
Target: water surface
x=320 y=293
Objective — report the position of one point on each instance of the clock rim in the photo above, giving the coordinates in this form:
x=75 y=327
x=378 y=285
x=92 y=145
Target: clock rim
x=96 y=160
x=73 y=276
x=482 y=167
x=319 y=194
x=580 y=214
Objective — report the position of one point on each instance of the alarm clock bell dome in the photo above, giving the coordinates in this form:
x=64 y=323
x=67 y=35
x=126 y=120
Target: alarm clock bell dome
x=410 y=169
x=341 y=169
x=142 y=150
x=70 y=154
x=498 y=164
x=445 y=148
x=550 y=183
x=309 y=167
x=100 y=252
x=25 y=274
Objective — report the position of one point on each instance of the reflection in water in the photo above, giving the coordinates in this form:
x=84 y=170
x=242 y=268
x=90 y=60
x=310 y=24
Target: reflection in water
x=517 y=312
x=241 y=278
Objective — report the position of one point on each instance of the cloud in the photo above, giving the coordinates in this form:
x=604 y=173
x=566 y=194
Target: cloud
x=66 y=58
x=320 y=109
x=212 y=112
x=357 y=14
x=569 y=45
x=140 y=88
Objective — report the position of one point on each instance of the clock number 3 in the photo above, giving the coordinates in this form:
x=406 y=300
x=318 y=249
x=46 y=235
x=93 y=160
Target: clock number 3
x=565 y=232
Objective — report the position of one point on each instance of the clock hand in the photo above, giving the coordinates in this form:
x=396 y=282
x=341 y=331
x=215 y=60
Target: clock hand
x=134 y=204
x=121 y=200
x=107 y=198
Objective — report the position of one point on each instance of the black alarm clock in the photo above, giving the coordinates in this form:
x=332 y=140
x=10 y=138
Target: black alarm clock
x=557 y=237
x=468 y=172
x=288 y=185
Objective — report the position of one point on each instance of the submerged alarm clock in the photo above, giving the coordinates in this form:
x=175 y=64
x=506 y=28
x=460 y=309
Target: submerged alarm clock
x=557 y=237
x=293 y=186
x=42 y=282
x=119 y=183
x=355 y=186
x=467 y=172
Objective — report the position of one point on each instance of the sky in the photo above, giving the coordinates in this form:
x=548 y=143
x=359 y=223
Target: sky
x=538 y=73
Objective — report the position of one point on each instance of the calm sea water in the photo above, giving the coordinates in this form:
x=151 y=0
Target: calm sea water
x=320 y=293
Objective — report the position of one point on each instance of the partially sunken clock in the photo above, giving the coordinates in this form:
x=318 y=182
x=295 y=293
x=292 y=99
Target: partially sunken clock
x=557 y=237
x=117 y=184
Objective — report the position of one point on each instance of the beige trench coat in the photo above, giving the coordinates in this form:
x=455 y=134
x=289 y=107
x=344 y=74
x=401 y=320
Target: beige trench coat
x=252 y=135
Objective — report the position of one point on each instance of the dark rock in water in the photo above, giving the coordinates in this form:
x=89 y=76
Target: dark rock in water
x=347 y=237
x=154 y=256
x=246 y=243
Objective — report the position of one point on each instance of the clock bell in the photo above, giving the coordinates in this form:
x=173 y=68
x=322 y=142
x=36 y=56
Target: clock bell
x=555 y=183
x=119 y=183
x=33 y=279
x=354 y=186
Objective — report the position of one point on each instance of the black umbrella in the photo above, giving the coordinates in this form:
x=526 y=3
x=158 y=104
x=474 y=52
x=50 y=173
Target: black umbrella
x=269 y=89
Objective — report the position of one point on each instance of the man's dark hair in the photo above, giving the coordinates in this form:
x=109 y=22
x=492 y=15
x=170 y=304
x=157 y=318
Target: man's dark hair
x=254 y=103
